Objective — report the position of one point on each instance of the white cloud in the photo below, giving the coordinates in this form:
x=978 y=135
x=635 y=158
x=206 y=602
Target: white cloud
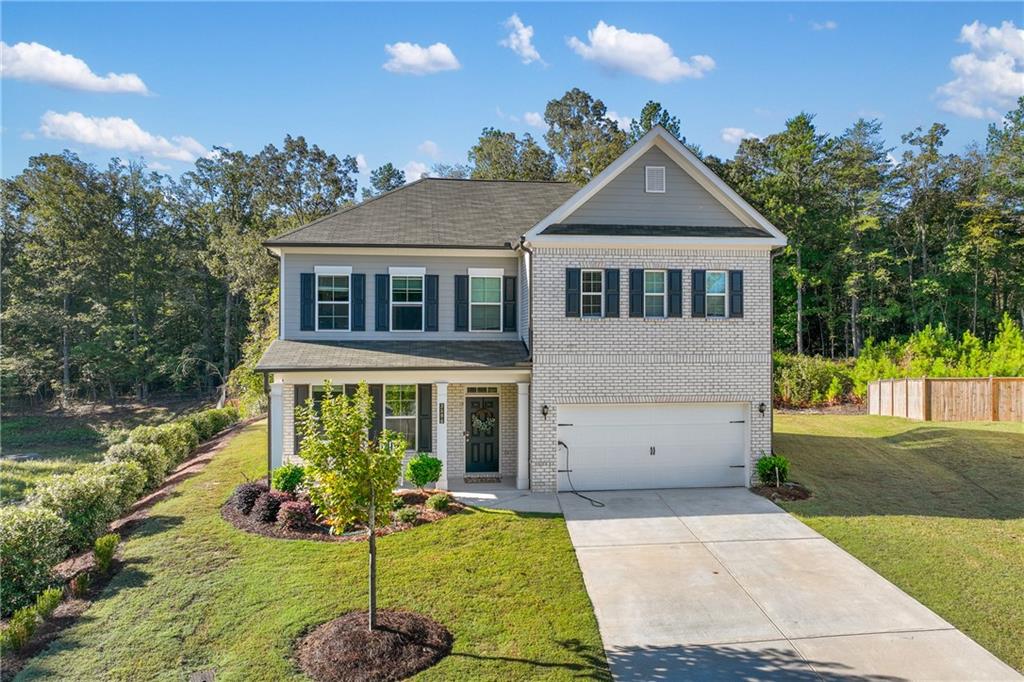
x=39 y=63
x=520 y=40
x=361 y=164
x=157 y=166
x=412 y=58
x=535 y=119
x=736 y=135
x=119 y=134
x=623 y=121
x=414 y=170
x=642 y=54
x=502 y=115
x=989 y=77
x=827 y=25
x=430 y=148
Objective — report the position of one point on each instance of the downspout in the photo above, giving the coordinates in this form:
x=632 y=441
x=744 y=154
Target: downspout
x=521 y=246
x=771 y=344
x=270 y=457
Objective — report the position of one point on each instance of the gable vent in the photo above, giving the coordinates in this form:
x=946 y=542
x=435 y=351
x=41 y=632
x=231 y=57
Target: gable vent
x=655 y=178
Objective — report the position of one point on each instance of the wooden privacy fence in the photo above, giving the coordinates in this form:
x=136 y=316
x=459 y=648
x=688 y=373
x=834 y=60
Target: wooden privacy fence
x=949 y=400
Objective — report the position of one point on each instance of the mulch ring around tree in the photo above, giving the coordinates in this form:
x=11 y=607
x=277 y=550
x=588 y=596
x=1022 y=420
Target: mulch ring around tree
x=321 y=532
x=787 y=492
x=344 y=649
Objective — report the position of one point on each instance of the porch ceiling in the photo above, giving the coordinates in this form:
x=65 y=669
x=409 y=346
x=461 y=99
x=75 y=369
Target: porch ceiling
x=285 y=355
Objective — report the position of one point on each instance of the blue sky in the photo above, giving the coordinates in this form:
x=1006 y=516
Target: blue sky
x=243 y=75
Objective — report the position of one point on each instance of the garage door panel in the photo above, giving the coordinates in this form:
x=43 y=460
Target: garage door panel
x=694 y=445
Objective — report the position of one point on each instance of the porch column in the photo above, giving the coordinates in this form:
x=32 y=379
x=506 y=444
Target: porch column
x=441 y=448
x=523 y=436
x=276 y=418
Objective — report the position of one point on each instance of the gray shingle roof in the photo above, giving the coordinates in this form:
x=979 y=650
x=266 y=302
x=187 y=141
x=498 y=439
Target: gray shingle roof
x=437 y=212
x=654 y=230
x=286 y=355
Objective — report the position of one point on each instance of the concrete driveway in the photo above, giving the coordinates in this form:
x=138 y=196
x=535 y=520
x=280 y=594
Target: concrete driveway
x=721 y=584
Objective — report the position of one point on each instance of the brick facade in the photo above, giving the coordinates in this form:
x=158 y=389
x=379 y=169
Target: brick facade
x=637 y=360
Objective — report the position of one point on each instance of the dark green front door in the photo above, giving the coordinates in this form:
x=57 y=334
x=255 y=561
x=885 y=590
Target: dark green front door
x=481 y=435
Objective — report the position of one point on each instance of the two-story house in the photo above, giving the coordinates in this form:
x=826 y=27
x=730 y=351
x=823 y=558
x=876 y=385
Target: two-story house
x=619 y=334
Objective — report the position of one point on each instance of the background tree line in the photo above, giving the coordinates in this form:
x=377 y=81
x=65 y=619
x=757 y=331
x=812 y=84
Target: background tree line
x=119 y=281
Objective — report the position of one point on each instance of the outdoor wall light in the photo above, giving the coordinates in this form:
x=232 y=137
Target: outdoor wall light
x=544 y=411
x=761 y=408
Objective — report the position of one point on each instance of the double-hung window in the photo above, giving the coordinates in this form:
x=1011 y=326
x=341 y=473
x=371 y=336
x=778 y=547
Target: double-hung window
x=592 y=293
x=333 y=298
x=406 y=300
x=400 y=411
x=484 y=301
x=655 y=293
x=715 y=292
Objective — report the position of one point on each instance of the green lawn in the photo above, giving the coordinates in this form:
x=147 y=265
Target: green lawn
x=937 y=508
x=196 y=593
x=65 y=442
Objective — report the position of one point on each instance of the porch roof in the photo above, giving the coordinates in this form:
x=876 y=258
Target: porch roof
x=286 y=355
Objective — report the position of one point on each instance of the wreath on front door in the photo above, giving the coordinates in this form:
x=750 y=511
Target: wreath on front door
x=483 y=426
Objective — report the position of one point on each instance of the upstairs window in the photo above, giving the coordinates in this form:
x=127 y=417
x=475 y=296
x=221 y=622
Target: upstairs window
x=407 y=303
x=715 y=292
x=592 y=293
x=654 y=178
x=332 y=302
x=400 y=411
x=484 y=303
x=654 y=293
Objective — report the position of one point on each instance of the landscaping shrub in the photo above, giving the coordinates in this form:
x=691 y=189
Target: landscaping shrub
x=103 y=551
x=805 y=380
x=288 y=478
x=32 y=541
x=767 y=466
x=267 y=505
x=406 y=515
x=209 y=423
x=150 y=456
x=19 y=630
x=178 y=439
x=87 y=500
x=439 y=501
x=296 y=515
x=80 y=585
x=423 y=469
x=246 y=495
x=48 y=601
x=127 y=481
x=397 y=502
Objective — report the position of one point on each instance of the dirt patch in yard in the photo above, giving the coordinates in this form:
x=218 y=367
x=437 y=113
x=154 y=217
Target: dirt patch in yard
x=787 y=492
x=345 y=650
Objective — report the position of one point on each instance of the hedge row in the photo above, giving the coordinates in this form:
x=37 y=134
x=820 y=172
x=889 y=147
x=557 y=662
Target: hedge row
x=69 y=511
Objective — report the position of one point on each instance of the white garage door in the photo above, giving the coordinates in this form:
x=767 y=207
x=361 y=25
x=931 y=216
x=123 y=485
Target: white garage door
x=613 y=447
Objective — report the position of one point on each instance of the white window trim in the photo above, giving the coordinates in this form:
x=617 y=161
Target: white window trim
x=407 y=272
x=600 y=294
x=483 y=273
x=647 y=182
x=331 y=271
x=725 y=296
x=664 y=295
x=415 y=413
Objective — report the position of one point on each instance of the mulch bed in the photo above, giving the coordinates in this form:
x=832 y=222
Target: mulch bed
x=787 y=492
x=345 y=650
x=322 y=532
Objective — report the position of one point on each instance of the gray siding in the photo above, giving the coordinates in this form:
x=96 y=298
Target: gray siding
x=624 y=200
x=445 y=267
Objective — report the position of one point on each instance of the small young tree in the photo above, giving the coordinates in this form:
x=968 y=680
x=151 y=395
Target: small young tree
x=350 y=477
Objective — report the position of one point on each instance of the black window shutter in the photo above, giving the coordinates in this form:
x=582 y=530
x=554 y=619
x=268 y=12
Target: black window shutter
x=425 y=404
x=430 y=307
x=462 y=303
x=572 y=292
x=359 y=302
x=611 y=292
x=377 y=401
x=307 y=301
x=697 y=306
x=301 y=394
x=636 y=293
x=509 y=305
x=675 y=293
x=383 y=294
x=735 y=293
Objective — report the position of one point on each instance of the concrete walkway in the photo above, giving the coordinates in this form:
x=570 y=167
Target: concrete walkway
x=721 y=584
